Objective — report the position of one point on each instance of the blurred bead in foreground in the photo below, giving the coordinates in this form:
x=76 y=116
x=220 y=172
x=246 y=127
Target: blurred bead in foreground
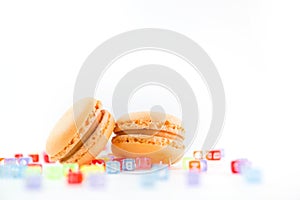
x=193 y=178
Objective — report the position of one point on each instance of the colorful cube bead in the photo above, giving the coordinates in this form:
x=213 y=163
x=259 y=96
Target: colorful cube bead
x=147 y=180
x=70 y=166
x=120 y=160
x=128 y=164
x=213 y=155
x=143 y=163
x=5 y=171
x=252 y=175
x=24 y=160
x=34 y=168
x=18 y=155
x=98 y=162
x=10 y=161
x=237 y=166
x=14 y=171
x=33 y=181
x=88 y=169
x=35 y=157
x=194 y=165
x=203 y=164
x=193 y=178
x=96 y=180
x=113 y=167
x=53 y=172
x=75 y=177
x=161 y=171
x=46 y=158
x=185 y=162
x=198 y=155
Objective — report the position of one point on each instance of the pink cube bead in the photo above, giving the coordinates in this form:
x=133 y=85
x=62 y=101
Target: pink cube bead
x=143 y=163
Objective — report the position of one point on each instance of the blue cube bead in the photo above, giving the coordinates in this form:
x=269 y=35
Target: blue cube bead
x=12 y=171
x=113 y=167
x=128 y=164
x=17 y=171
x=252 y=175
x=161 y=171
x=3 y=171
x=147 y=180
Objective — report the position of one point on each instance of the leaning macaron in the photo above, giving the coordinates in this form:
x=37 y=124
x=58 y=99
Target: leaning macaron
x=156 y=135
x=81 y=133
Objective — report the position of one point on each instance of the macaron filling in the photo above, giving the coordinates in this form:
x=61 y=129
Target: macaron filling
x=150 y=125
x=151 y=132
x=160 y=141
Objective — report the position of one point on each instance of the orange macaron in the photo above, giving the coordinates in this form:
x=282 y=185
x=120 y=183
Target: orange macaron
x=156 y=135
x=81 y=133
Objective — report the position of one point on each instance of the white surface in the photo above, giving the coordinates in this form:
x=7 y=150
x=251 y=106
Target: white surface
x=217 y=183
x=254 y=44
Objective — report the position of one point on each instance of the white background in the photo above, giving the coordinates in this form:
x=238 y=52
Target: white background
x=254 y=44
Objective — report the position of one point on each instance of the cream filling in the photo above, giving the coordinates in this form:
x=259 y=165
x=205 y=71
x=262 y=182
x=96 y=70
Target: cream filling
x=154 y=140
x=153 y=125
x=149 y=132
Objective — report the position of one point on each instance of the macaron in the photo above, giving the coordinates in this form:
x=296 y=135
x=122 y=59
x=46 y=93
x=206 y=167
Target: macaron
x=156 y=135
x=81 y=133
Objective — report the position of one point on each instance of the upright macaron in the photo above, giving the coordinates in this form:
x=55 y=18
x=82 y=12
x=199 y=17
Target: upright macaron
x=156 y=135
x=81 y=133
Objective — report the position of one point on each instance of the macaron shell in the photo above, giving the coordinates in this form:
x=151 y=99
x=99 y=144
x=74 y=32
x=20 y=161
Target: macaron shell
x=167 y=155
x=146 y=116
x=150 y=120
x=78 y=140
x=160 y=150
x=142 y=125
x=96 y=142
x=72 y=125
